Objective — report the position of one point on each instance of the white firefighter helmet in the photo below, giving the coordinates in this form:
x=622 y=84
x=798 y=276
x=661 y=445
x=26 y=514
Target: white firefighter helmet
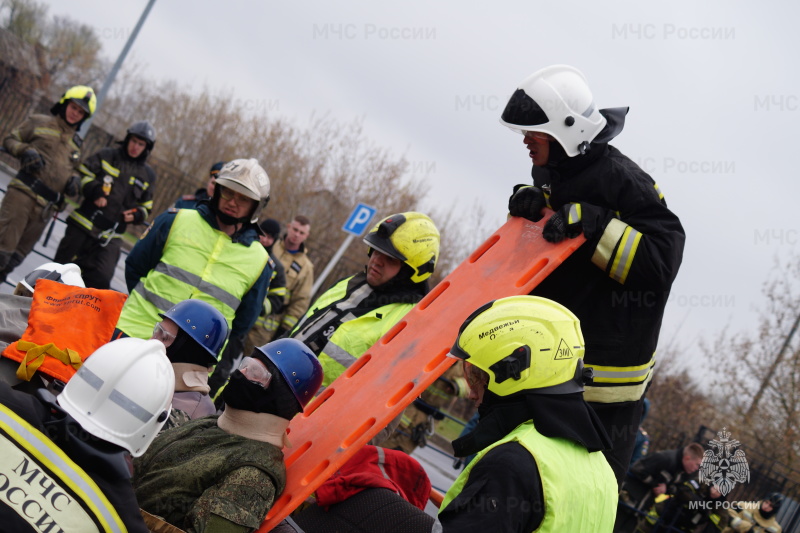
x=556 y=100
x=122 y=393
x=247 y=177
x=68 y=274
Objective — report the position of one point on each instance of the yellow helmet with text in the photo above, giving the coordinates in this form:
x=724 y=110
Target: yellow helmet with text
x=410 y=237
x=524 y=343
x=83 y=96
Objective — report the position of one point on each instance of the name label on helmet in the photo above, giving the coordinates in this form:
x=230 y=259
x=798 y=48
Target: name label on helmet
x=495 y=329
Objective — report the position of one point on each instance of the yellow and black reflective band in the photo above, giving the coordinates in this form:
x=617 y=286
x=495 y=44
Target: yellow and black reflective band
x=614 y=384
x=83 y=169
x=658 y=190
x=626 y=251
x=616 y=249
x=43 y=131
x=148 y=205
x=268 y=322
x=278 y=291
x=574 y=214
x=85 y=181
x=110 y=169
x=82 y=220
x=144 y=185
x=289 y=322
x=546 y=195
x=30 y=442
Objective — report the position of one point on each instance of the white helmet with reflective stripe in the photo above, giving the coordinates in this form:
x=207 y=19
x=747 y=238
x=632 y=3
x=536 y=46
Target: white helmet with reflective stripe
x=556 y=100
x=122 y=393
x=68 y=274
x=247 y=177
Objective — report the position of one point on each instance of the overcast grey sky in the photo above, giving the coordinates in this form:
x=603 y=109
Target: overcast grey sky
x=714 y=100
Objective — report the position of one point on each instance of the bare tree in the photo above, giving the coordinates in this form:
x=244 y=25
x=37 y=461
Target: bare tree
x=761 y=372
x=24 y=18
x=73 y=48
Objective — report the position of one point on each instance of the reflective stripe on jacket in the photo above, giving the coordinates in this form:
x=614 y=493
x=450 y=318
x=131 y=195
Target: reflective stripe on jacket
x=45 y=487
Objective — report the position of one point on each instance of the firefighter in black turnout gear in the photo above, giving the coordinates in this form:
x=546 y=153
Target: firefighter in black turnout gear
x=618 y=282
x=117 y=188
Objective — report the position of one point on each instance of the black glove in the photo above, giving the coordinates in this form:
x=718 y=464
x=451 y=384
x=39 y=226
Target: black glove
x=31 y=160
x=576 y=218
x=139 y=216
x=528 y=202
x=73 y=186
x=280 y=332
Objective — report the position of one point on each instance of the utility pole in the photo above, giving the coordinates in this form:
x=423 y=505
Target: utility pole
x=771 y=371
x=101 y=96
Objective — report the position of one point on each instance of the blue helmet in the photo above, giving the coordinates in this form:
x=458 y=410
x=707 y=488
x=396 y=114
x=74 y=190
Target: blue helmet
x=202 y=322
x=298 y=365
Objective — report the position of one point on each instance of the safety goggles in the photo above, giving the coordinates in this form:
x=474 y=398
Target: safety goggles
x=255 y=371
x=227 y=195
x=476 y=378
x=161 y=334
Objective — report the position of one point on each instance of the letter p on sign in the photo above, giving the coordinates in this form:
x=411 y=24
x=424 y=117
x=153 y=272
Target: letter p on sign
x=359 y=219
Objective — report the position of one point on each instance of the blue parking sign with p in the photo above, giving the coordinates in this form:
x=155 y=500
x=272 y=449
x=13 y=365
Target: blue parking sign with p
x=359 y=219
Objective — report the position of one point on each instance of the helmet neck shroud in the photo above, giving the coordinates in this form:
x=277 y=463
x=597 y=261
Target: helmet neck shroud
x=565 y=416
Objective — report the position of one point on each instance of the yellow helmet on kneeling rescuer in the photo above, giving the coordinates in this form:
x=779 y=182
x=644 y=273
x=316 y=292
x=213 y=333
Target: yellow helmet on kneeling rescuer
x=524 y=343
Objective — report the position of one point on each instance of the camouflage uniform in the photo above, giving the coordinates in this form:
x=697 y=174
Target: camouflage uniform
x=198 y=470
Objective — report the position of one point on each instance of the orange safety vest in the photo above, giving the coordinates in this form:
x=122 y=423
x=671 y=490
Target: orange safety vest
x=65 y=326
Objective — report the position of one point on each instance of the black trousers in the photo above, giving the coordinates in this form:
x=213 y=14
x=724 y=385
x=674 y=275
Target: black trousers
x=97 y=262
x=621 y=422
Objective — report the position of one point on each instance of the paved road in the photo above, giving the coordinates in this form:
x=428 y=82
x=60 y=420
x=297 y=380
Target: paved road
x=43 y=254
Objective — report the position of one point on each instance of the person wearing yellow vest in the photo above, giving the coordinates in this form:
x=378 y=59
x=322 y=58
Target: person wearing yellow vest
x=63 y=464
x=538 y=465
x=357 y=311
x=210 y=253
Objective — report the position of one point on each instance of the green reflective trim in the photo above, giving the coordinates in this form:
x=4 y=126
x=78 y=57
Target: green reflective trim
x=46 y=132
x=85 y=170
x=110 y=169
x=82 y=220
x=196 y=281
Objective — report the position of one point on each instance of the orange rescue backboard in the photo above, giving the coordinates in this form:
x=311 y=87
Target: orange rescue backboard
x=404 y=362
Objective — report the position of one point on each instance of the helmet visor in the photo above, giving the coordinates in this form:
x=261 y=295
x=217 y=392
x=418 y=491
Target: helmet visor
x=522 y=110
